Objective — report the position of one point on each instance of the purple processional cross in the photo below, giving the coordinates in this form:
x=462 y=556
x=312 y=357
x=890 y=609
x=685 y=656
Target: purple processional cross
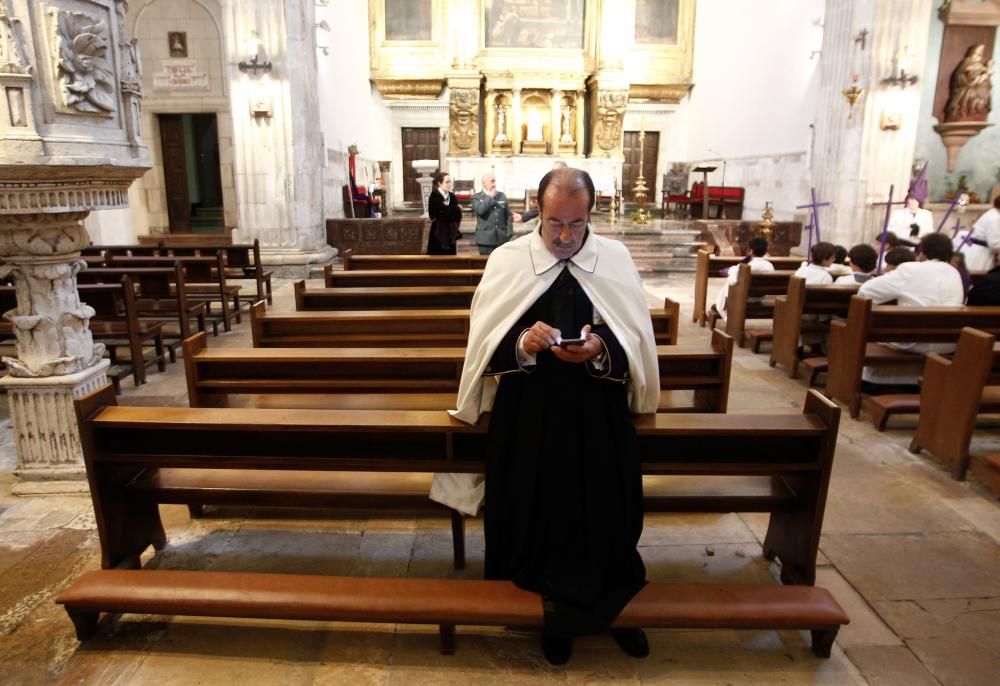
x=813 y=226
x=885 y=226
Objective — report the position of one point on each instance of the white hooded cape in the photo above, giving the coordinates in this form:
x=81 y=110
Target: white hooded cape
x=516 y=275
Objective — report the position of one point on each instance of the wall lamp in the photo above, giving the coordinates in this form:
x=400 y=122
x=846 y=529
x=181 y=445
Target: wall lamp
x=258 y=62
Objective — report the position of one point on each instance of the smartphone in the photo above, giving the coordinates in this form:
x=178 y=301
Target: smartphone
x=571 y=341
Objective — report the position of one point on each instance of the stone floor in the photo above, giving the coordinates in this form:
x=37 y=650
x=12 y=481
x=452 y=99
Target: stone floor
x=913 y=556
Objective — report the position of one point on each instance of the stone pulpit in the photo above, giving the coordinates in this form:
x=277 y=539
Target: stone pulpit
x=69 y=143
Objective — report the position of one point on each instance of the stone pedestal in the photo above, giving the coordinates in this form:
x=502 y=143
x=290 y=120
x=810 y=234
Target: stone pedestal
x=425 y=168
x=73 y=63
x=49 y=456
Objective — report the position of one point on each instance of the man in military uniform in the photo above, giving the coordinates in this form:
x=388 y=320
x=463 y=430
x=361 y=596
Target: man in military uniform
x=494 y=221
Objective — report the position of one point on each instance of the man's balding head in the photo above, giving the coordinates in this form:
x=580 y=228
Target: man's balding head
x=566 y=180
x=489 y=182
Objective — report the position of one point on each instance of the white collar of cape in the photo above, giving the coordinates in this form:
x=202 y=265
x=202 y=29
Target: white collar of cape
x=605 y=271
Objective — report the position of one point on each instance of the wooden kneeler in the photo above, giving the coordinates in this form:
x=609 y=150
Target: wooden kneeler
x=445 y=602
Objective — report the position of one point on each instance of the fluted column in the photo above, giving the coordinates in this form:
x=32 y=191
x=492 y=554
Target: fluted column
x=856 y=159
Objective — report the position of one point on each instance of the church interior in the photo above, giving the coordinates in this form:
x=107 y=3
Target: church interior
x=203 y=385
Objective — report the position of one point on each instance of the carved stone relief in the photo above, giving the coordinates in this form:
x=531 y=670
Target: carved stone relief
x=608 y=121
x=464 y=122
x=88 y=80
x=12 y=48
x=50 y=323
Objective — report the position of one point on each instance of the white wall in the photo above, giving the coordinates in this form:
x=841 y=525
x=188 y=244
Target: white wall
x=351 y=109
x=755 y=84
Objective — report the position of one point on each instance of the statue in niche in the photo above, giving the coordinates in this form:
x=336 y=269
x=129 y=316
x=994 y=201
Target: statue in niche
x=83 y=64
x=610 y=113
x=501 y=107
x=464 y=118
x=566 y=121
x=970 y=88
x=130 y=73
x=12 y=50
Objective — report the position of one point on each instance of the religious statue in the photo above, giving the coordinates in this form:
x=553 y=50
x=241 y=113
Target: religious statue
x=969 y=93
x=501 y=108
x=565 y=120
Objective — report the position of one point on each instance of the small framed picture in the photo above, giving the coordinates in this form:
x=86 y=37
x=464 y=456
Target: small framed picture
x=178 y=42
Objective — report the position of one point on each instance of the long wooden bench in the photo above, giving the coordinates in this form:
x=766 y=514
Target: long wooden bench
x=400 y=277
x=752 y=297
x=382 y=298
x=116 y=324
x=952 y=393
x=242 y=261
x=161 y=296
x=213 y=375
x=359 y=328
x=387 y=328
x=709 y=266
x=354 y=262
x=824 y=301
x=205 y=281
x=850 y=343
x=444 y=602
x=778 y=463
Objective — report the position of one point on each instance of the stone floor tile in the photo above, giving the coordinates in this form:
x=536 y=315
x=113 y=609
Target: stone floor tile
x=681 y=529
x=709 y=563
x=890 y=666
x=917 y=566
x=866 y=627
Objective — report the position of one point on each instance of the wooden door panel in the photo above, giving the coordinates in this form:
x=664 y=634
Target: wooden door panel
x=630 y=168
x=175 y=173
x=418 y=144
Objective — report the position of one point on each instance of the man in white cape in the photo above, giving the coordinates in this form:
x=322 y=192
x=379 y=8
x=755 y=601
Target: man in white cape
x=564 y=484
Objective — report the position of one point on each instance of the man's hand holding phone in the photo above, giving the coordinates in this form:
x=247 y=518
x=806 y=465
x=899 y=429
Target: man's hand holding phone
x=541 y=336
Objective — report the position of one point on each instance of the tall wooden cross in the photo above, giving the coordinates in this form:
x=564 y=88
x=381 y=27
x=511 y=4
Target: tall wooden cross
x=885 y=226
x=951 y=207
x=813 y=226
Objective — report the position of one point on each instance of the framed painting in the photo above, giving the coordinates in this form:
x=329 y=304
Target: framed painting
x=656 y=21
x=554 y=24
x=408 y=20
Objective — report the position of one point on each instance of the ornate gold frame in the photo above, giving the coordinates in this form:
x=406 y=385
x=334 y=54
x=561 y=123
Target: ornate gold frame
x=664 y=72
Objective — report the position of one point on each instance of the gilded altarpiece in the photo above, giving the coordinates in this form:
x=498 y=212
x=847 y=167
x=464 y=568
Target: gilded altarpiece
x=542 y=69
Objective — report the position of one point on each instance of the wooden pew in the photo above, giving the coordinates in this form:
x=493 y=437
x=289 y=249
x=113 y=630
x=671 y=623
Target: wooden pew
x=396 y=327
x=242 y=261
x=354 y=262
x=850 y=341
x=382 y=298
x=370 y=376
x=444 y=602
x=137 y=457
x=828 y=301
x=953 y=392
x=206 y=282
x=709 y=266
x=400 y=277
x=116 y=324
x=746 y=299
x=161 y=295
x=358 y=329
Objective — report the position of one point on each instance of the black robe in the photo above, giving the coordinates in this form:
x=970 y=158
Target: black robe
x=445 y=218
x=564 y=506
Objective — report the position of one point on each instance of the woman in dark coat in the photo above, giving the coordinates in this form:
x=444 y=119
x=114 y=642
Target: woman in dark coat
x=445 y=214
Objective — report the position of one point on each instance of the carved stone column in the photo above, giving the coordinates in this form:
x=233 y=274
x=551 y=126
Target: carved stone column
x=608 y=107
x=463 y=115
x=70 y=144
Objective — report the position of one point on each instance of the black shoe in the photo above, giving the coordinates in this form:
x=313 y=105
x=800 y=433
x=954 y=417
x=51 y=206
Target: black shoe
x=632 y=641
x=557 y=649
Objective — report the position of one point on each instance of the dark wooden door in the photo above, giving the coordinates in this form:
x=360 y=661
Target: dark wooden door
x=418 y=144
x=630 y=170
x=175 y=172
